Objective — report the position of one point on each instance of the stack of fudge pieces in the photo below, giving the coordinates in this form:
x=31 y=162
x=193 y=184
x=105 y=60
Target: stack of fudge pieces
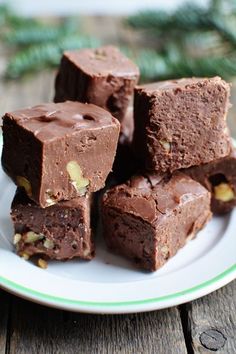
x=58 y=154
x=170 y=152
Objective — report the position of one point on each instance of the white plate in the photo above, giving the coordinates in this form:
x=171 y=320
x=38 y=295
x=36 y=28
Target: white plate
x=110 y=284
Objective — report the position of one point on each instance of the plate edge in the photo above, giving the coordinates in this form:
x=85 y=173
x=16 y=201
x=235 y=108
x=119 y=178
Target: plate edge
x=67 y=303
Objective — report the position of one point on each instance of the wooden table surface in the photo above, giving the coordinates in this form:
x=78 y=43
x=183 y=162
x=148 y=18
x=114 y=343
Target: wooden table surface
x=202 y=326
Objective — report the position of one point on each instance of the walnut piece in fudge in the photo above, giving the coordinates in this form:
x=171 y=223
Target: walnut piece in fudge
x=149 y=218
x=181 y=123
x=219 y=177
x=102 y=76
x=61 y=231
x=59 y=151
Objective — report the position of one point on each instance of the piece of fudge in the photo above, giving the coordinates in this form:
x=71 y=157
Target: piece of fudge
x=149 y=218
x=103 y=76
x=125 y=164
x=219 y=177
x=61 y=231
x=59 y=151
x=181 y=123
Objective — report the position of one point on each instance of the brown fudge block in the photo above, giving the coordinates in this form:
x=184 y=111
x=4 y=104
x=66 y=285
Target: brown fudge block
x=102 y=76
x=219 y=177
x=181 y=123
x=59 y=151
x=61 y=231
x=149 y=218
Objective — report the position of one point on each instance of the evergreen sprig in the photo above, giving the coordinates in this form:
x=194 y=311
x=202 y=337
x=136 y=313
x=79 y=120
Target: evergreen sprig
x=44 y=55
x=191 y=41
x=40 y=33
x=154 y=66
x=189 y=17
x=9 y=19
x=38 y=44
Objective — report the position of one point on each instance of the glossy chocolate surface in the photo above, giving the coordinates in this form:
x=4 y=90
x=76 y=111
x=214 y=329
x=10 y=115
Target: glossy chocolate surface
x=39 y=143
x=150 y=217
x=103 y=76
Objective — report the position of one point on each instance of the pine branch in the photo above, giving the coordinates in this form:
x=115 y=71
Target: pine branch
x=41 y=44
x=224 y=7
x=192 y=41
x=210 y=65
x=188 y=36
x=186 y=19
x=202 y=67
x=152 y=66
x=39 y=56
x=174 y=64
x=3 y=14
x=10 y=20
x=39 y=33
x=226 y=31
x=203 y=43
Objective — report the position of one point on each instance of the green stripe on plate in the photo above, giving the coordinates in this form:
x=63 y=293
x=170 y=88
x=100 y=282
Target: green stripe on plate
x=17 y=288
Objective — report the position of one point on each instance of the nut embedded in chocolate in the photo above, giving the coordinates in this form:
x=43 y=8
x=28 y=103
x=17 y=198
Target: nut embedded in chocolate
x=103 y=76
x=219 y=177
x=75 y=173
x=61 y=231
x=63 y=149
x=23 y=182
x=224 y=192
x=42 y=263
x=149 y=218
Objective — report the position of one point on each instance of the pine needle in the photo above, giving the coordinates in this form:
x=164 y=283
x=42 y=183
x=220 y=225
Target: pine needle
x=190 y=41
x=40 y=33
x=39 y=56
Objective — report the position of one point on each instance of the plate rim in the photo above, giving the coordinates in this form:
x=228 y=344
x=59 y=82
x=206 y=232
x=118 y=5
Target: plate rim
x=114 y=306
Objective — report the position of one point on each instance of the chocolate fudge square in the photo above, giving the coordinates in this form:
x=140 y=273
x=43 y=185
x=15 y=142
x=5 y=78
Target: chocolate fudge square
x=59 y=151
x=102 y=76
x=61 y=231
x=149 y=218
x=219 y=177
x=181 y=123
